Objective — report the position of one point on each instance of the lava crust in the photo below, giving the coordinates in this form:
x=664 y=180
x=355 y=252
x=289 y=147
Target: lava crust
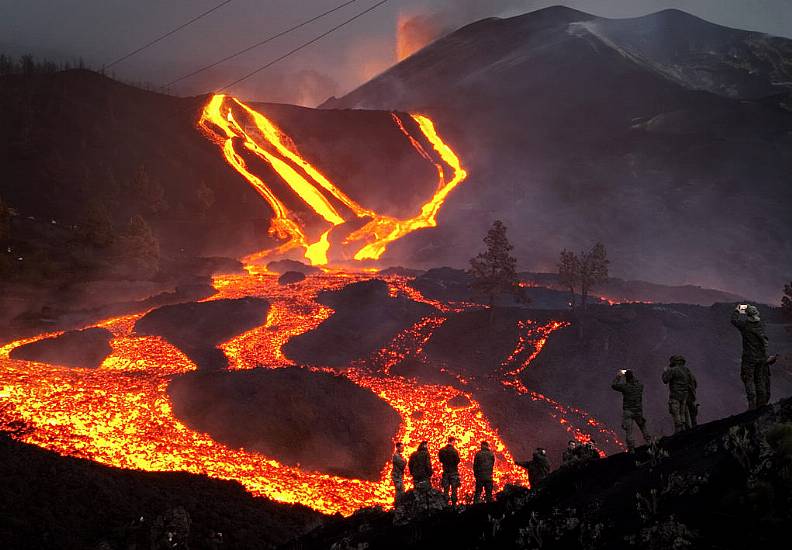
x=77 y=348
x=197 y=327
x=296 y=416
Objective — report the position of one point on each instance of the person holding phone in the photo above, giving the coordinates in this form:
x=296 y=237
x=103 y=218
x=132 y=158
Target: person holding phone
x=631 y=389
x=755 y=363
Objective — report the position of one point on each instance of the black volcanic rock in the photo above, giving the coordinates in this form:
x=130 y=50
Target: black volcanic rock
x=284 y=266
x=645 y=134
x=198 y=327
x=366 y=318
x=291 y=277
x=77 y=348
x=53 y=501
x=319 y=421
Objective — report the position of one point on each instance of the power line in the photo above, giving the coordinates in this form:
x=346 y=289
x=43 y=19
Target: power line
x=257 y=44
x=305 y=45
x=167 y=34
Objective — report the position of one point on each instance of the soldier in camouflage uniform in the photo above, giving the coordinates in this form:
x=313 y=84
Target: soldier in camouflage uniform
x=420 y=465
x=538 y=466
x=397 y=470
x=692 y=402
x=755 y=364
x=483 y=464
x=678 y=379
x=631 y=389
x=570 y=454
x=449 y=458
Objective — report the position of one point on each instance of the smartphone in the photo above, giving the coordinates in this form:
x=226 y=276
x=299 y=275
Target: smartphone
x=622 y=372
x=742 y=307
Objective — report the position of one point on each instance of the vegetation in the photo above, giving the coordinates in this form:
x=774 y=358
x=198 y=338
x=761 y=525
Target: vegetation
x=786 y=301
x=583 y=272
x=29 y=65
x=494 y=271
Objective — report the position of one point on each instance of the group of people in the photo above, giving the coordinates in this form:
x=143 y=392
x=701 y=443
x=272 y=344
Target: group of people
x=682 y=405
x=682 y=384
x=419 y=465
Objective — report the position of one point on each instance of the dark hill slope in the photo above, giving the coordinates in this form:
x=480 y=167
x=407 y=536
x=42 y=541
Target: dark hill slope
x=576 y=128
x=727 y=484
x=50 y=501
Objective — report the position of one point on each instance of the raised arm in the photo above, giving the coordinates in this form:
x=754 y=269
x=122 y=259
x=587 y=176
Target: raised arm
x=737 y=320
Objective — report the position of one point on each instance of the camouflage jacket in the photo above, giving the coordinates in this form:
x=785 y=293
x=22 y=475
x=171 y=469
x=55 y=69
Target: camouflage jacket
x=420 y=465
x=449 y=458
x=483 y=464
x=754 y=340
x=678 y=382
x=632 y=393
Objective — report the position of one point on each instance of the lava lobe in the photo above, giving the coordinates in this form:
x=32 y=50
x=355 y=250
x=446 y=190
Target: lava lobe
x=296 y=416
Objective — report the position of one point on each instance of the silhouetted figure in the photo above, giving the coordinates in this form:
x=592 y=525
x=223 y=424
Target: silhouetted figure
x=631 y=389
x=755 y=364
x=570 y=455
x=420 y=465
x=692 y=401
x=449 y=458
x=397 y=470
x=678 y=381
x=586 y=452
x=538 y=466
x=483 y=464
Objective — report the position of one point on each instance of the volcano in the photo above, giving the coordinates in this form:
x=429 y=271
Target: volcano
x=665 y=137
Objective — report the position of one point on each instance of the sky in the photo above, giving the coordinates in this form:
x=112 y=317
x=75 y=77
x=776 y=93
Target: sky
x=100 y=31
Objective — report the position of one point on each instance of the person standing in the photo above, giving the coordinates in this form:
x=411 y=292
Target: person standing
x=570 y=454
x=678 y=381
x=692 y=401
x=538 y=466
x=631 y=389
x=449 y=458
x=754 y=365
x=420 y=465
x=483 y=464
x=397 y=470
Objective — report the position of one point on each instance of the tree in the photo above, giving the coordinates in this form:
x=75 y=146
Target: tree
x=139 y=247
x=568 y=273
x=149 y=190
x=593 y=270
x=97 y=227
x=786 y=301
x=584 y=271
x=494 y=271
x=5 y=221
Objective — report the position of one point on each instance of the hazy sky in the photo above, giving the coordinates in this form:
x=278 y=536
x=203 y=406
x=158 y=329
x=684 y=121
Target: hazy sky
x=102 y=30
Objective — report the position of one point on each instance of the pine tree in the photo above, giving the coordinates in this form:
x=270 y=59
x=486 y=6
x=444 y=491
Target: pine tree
x=494 y=271
x=786 y=301
x=97 y=227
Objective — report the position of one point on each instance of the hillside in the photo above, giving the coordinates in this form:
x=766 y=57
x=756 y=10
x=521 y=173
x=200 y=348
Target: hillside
x=665 y=137
x=724 y=485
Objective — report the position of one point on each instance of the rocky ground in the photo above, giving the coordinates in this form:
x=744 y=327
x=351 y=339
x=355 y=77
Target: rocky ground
x=726 y=484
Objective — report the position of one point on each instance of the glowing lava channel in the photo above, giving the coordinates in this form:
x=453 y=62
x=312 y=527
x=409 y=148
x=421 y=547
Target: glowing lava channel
x=121 y=415
x=269 y=143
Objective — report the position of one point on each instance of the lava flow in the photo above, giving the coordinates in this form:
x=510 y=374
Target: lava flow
x=242 y=131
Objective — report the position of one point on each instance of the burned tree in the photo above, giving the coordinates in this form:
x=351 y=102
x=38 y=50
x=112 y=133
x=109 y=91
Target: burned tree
x=568 y=273
x=494 y=271
x=584 y=271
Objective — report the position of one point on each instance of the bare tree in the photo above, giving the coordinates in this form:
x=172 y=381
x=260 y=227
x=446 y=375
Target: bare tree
x=593 y=270
x=584 y=271
x=569 y=273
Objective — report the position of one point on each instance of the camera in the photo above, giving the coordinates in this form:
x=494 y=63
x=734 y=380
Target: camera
x=622 y=372
x=742 y=307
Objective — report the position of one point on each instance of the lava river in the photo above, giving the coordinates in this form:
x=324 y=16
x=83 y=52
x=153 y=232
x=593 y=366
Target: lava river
x=120 y=414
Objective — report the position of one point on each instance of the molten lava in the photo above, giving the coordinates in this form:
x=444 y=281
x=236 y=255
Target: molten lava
x=260 y=139
x=121 y=415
